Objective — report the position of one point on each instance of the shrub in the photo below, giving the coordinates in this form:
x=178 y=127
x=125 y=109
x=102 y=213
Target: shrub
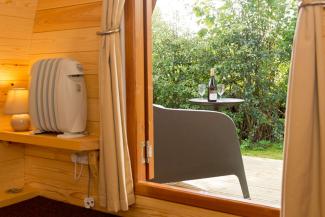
x=249 y=43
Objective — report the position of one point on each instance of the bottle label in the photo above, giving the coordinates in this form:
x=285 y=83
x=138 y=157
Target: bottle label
x=213 y=95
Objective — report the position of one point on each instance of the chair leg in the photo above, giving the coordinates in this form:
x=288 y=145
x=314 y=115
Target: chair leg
x=243 y=185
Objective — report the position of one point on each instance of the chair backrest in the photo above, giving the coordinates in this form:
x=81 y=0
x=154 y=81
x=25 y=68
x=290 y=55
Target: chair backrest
x=193 y=140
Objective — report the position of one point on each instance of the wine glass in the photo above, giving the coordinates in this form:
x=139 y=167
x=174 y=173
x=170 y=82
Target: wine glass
x=220 y=89
x=202 y=89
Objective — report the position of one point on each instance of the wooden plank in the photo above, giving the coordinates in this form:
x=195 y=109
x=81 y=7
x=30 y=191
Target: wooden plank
x=55 y=179
x=93 y=110
x=150 y=170
x=93 y=128
x=88 y=59
x=18 y=8
x=14 y=27
x=148 y=207
x=12 y=48
x=92 y=86
x=7 y=199
x=80 y=16
x=193 y=198
x=87 y=143
x=13 y=72
x=135 y=95
x=75 y=40
x=11 y=174
x=48 y=4
x=11 y=152
x=93 y=159
x=49 y=153
x=4 y=119
x=14 y=62
x=58 y=170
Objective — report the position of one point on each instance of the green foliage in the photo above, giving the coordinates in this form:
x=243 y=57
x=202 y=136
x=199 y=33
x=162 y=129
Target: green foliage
x=179 y=65
x=249 y=43
x=263 y=149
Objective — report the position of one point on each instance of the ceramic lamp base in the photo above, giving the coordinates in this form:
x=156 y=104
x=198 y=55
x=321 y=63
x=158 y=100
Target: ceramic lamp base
x=20 y=123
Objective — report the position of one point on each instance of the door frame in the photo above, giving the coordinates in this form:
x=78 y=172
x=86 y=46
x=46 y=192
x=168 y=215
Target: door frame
x=138 y=43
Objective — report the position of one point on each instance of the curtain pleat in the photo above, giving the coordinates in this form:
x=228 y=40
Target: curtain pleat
x=115 y=176
x=303 y=192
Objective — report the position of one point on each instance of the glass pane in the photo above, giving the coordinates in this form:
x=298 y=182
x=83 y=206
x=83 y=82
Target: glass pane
x=220 y=71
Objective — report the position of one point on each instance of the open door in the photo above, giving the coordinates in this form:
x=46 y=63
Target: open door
x=149 y=146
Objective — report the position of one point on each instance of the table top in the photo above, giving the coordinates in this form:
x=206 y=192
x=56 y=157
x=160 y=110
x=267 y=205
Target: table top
x=224 y=102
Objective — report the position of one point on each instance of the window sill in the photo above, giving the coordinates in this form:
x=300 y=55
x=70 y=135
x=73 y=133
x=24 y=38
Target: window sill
x=221 y=204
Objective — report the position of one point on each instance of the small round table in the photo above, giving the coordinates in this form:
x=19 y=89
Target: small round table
x=221 y=103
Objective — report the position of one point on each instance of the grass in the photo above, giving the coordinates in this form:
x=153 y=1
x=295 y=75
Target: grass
x=264 y=149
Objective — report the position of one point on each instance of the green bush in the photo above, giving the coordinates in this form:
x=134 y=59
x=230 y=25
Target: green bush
x=249 y=43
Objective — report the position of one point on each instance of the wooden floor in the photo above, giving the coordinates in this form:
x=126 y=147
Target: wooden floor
x=264 y=177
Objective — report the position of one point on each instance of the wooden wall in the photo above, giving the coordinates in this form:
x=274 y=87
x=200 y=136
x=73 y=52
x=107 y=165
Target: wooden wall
x=65 y=28
x=52 y=173
x=11 y=166
x=17 y=18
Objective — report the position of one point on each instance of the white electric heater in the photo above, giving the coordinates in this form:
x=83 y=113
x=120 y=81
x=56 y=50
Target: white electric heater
x=57 y=97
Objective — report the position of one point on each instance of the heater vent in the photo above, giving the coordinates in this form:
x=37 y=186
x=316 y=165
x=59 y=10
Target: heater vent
x=57 y=97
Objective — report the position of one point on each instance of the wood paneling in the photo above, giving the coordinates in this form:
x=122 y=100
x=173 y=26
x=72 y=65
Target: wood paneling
x=93 y=110
x=11 y=166
x=194 y=198
x=11 y=71
x=12 y=48
x=54 y=178
x=92 y=86
x=79 y=16
x=86 y=143
x=8 y=199
x=48 y=4
x=18 y=8
x=52 y=173
x=73 y=36
x=93 y=128
x=135 y=85
x=15 y=27
x=88 y=59
x=66 y=28
x=17 y=17
x=76 y=40
x=149 y=207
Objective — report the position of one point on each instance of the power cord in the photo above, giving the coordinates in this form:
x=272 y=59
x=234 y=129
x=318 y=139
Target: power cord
x=77 y=177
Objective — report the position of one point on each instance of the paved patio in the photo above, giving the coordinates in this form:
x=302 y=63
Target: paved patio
x=264 y=177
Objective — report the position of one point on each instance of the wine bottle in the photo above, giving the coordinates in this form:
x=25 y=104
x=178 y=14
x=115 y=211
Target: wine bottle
x=212 y=88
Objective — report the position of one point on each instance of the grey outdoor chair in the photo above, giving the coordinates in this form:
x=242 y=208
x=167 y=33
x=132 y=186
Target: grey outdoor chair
x=195 y=144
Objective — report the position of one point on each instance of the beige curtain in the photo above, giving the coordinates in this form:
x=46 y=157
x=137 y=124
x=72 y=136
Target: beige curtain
x=304 y=167
x=115 y=177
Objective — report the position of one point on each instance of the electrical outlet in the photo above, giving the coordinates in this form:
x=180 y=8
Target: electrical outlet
x=89 y=202
x=79 y=158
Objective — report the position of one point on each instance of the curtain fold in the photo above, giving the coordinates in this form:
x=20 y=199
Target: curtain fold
x=115 y=176
x=303 y=193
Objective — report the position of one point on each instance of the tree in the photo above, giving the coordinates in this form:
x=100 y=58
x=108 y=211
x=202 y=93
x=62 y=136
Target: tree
x=249 y=43
x=180 y=63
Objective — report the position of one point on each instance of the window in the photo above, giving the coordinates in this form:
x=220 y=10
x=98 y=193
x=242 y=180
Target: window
x=140 y=122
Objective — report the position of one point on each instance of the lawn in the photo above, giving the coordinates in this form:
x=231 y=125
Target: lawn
x=263 y=149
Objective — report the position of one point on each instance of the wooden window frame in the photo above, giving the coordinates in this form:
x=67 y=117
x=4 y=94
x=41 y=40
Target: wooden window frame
x=138 y=71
